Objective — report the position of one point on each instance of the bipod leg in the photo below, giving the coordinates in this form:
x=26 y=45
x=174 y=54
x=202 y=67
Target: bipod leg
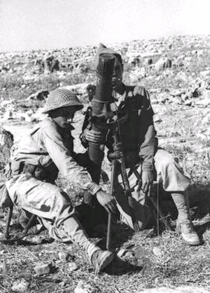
x=108 y=237
x=29 y=224
x=9 y=217
x=160 y=215
x=129 y=195
x=23 y=233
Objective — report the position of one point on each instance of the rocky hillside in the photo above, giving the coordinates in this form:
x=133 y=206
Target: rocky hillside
x=177 y=73
x=175 y=70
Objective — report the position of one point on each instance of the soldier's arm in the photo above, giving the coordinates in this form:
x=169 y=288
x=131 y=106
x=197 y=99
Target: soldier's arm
x=146 y=132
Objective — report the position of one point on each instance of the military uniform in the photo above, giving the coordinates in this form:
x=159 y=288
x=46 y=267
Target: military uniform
x=141 y=153
x=35 y=162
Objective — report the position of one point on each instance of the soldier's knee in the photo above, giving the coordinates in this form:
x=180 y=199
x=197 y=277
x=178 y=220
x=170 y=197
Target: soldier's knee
x=164 y=159
x=168 y=161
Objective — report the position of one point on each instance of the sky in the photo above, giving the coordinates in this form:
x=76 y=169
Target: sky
x=54 y=24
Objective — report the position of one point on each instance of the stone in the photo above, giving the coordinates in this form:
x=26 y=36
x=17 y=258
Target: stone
x=72 y=267
x=157 y=251
x=42 y=269
x=8 y=115
x=64 y=256
x=121 y=252
x=20 y=285
x=83 y=287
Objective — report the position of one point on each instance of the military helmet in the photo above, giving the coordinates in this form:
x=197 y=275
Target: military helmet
x=61 y=98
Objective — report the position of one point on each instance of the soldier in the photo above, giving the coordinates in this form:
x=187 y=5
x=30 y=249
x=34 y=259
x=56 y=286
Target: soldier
x=35 y=163
x=143 y=158
x=91 y=88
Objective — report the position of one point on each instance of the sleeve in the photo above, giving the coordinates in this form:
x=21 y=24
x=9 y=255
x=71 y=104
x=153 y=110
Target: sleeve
x=64 y=161
x=146 y=133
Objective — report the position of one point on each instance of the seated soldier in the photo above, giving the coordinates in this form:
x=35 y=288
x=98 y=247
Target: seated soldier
x=143 y=158
x=35 y=163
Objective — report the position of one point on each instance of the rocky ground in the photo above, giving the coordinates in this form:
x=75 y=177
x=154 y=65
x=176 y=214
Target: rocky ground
x=176 y=71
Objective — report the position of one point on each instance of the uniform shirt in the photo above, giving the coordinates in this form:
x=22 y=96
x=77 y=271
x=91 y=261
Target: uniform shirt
x=49 y=144
x=137 y=133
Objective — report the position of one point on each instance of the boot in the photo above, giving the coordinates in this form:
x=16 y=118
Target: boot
x=184 y=224
x=71 y=230
x=100 y=259
x=188 y=233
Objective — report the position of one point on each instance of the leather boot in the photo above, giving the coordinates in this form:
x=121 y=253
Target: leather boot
x=188 y=233
x=184 y=224
x=101 y=259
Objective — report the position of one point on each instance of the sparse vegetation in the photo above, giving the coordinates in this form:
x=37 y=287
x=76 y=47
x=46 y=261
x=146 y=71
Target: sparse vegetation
x=139 y=266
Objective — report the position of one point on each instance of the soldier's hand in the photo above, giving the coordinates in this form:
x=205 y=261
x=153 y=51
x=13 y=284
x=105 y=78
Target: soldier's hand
x=146 y=181
x=93 y=135
x=107 y=201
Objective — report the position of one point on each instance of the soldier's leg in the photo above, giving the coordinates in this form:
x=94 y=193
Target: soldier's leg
x=138 y=203
x=53 y=206
x=170 y=174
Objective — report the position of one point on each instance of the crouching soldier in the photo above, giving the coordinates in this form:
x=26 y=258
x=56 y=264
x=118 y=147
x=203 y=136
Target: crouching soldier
x=35 y=163
x=143 y=158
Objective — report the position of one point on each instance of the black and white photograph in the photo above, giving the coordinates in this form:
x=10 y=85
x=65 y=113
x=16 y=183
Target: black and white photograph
x=104 y=146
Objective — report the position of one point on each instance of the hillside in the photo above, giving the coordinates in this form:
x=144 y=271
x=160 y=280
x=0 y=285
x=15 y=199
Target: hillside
x=176 y=71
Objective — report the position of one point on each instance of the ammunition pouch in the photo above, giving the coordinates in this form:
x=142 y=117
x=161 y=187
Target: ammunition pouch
x=35 y=171
x=47 y=173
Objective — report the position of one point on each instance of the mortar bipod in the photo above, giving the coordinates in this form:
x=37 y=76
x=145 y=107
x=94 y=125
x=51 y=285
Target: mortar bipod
x=8 y=222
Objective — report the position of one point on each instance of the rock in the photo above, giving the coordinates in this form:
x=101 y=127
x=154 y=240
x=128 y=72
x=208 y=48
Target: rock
x=20 y=285
x=72 y=267
x=163 y=97
x=26 y=117
x=188 y=102
x=79 y=88
x=177 y=92
x=65 y=256
x=38 y=115
x=83 y=287
x=2 y=250
x=6 y=138
x=37 y=239
x=206 y=119
x=203 y=102
x=163 y=63
x=8 y=115
x=42 y=269
x=121 y=253
x=40 y=95
x=157 y=119
x=157 y=251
